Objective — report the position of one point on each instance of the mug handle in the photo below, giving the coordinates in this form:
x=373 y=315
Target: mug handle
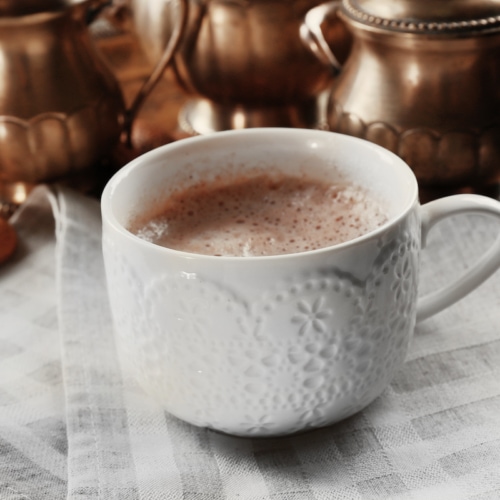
x=432 y=213
x=312 y=36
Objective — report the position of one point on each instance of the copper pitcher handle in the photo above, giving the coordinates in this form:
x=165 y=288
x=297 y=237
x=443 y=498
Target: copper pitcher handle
x=312 y=35
x=157 y=73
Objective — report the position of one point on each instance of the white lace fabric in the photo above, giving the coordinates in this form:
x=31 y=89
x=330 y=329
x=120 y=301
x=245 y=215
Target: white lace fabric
x=74 y=425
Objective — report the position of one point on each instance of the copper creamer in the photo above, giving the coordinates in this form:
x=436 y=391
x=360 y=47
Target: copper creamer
x=242 y=60
x=61 y=108
x=423 y=80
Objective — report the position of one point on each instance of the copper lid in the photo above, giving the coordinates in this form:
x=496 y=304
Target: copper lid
x=15 y=8
x=426 y=16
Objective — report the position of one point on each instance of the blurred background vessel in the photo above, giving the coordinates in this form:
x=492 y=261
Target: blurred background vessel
x=423 y=80
x=61 y=108
x=242 y=61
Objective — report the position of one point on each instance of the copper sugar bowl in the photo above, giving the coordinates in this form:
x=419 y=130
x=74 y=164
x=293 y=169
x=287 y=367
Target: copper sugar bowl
x=242 y=61
x=423 y=80
x=61 y=108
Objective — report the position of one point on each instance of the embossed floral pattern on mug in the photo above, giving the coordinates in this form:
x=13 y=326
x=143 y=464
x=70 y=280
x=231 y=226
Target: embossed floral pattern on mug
x=344 y=340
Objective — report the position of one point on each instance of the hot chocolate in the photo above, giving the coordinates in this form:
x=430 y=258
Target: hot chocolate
x=261 y=215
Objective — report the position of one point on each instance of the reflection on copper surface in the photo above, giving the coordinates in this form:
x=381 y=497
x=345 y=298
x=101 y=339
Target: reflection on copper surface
x=422 y=82
x=243 y=61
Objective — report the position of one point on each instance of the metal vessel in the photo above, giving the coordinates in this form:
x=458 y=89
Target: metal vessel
x=61 y=108
x=242 y=61
x=423 y=80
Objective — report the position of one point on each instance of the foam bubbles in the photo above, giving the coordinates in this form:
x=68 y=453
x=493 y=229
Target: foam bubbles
x=263 y=215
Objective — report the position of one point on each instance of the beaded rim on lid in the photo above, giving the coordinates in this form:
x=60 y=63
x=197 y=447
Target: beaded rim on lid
x=426 y=16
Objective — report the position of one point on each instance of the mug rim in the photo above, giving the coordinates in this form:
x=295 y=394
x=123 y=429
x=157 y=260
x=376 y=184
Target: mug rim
x=113 y=184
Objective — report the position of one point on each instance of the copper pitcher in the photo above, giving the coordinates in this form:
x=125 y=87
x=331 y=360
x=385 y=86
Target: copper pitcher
x=423 y=80
x=242 y=61
x=61 y=108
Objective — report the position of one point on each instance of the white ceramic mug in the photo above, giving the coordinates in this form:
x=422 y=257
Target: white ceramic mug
x=272 y=345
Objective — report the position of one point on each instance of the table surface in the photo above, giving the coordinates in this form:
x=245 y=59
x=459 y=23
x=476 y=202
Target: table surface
x=74 y=424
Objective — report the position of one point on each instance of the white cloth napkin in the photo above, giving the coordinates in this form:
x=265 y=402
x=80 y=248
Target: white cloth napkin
x=74 y=425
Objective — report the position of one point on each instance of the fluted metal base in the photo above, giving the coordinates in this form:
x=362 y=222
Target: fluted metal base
x=202 y=116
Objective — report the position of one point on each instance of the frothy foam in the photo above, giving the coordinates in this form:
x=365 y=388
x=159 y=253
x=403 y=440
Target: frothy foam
x=263 y=215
